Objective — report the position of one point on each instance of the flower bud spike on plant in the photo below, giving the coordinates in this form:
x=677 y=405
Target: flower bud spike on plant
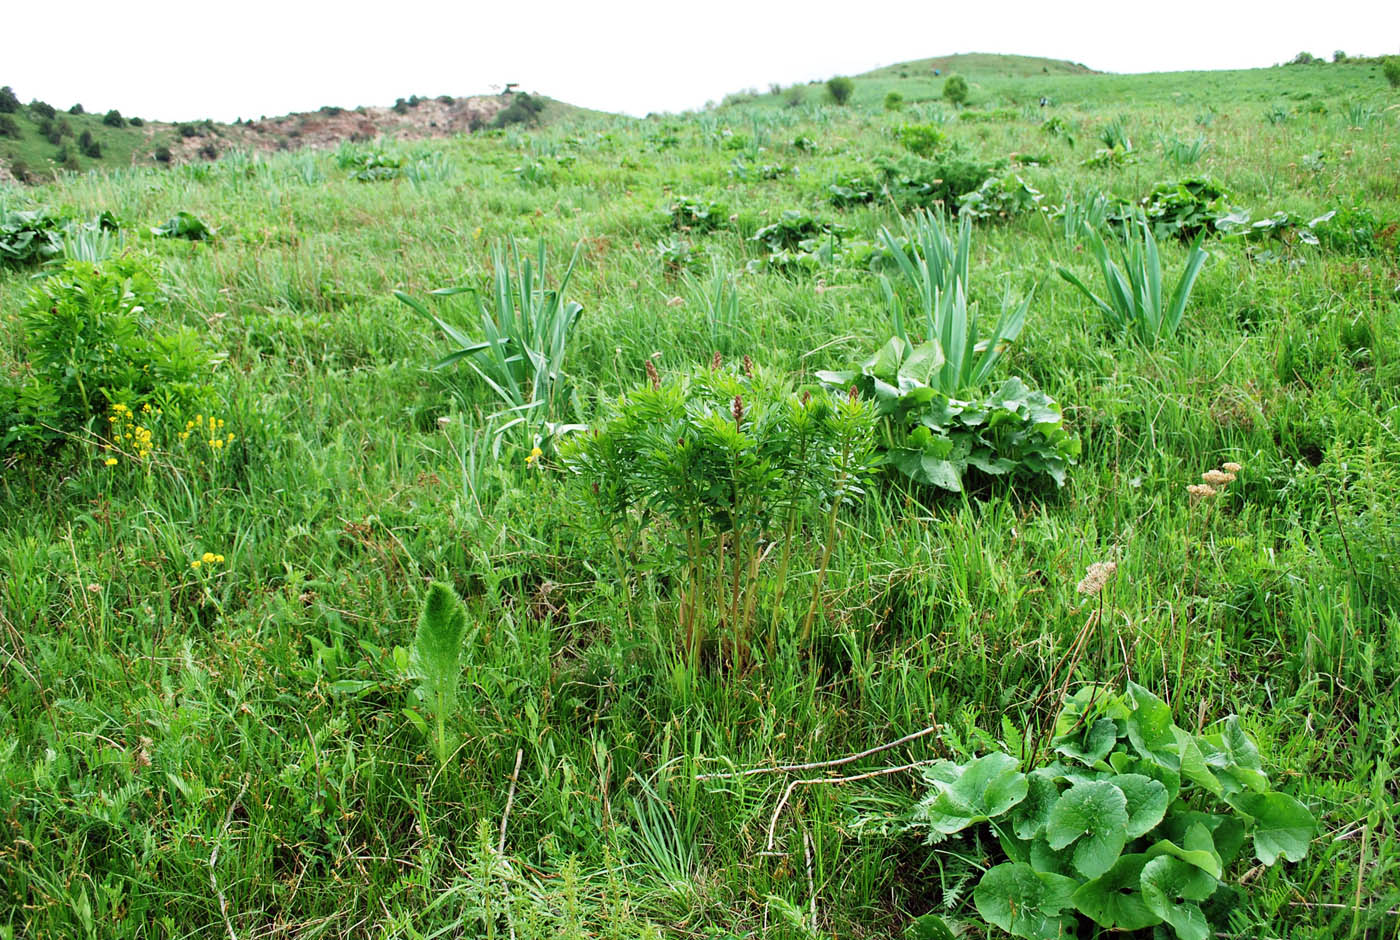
x=716 y=361
x=738 y=409
x=653 y=376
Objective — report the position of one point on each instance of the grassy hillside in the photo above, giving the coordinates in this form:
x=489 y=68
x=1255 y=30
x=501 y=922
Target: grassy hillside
x=38 y=144
x=221 y=691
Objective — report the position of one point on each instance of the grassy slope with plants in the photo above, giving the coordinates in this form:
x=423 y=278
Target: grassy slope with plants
x=249 y=744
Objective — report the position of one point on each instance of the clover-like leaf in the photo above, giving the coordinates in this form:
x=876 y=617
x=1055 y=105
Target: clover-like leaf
x=1172 y=889
x=1093 y=817
x=1023 y=901
x=1147 y=802
x=1282 y=825
x=1114 y=899
x=985 y=788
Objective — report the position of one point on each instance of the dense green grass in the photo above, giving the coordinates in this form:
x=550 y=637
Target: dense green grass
x=189 y=752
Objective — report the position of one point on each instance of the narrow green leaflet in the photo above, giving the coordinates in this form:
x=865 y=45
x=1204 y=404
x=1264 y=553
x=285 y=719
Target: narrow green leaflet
x=1282 y=825
x=1114 y=899
x=986 y=787
x=1023 y=901
x=1093 y=817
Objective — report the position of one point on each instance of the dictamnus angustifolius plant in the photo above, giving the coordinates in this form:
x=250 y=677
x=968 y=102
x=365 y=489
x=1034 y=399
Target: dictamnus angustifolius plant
x=931 y=382
x=713 y=478
x=1129 y=822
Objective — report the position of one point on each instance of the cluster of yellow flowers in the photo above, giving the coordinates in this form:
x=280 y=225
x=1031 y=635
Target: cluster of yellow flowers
x=210 y=430
x=129 y=431
x=208 y=558
x=535 y=455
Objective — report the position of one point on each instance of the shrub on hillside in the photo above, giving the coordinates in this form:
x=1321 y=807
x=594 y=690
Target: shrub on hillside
x=894 y=101
x=92 y=341
x=955 y=90
x=136 y=122
x=840 y=89
x=76 y=109
x=113 y=118
x=41 y=109
x=921 y=139
x=1390 y=68
x=89 y=146
x=8 y=102
x=523 y=109
x=8 y=127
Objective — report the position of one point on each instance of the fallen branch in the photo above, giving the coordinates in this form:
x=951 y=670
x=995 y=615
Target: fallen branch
x=818 y=765
x=787 y=793
x=214 y=859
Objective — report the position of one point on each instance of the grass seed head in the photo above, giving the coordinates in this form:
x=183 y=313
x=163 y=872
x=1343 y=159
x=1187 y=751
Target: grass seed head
x=1097 y=577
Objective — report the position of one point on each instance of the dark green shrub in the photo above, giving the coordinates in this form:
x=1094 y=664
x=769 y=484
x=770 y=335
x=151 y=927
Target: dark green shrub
x=8 y=127
x=136 y=122
x=925 y=183
x=89 y=146
x=113 y=118
x=955 y=90
x=523 y=109
x=1184 y=208
x=163 y=155
x=400 y=106
x=9 y=104
x=41 y=109
x=187 y=130
x=1390 y=68
x=894 y=101
x=840 y=89
x=794 y=96
x=76 y=109
x=92 y=341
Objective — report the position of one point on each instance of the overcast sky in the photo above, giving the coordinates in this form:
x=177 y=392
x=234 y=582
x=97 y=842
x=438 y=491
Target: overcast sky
x=191 y=59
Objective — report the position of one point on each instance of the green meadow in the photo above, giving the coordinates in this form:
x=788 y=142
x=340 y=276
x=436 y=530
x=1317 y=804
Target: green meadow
x=225 y=710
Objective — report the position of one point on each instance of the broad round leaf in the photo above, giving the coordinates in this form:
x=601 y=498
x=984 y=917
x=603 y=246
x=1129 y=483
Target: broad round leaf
x=1029 y=818
x=1147 y=802
x=987 y=787
x=1093 y=817
x=1023 y=901
x=1282 y=825
x=1171 y=888
x=1114 y=899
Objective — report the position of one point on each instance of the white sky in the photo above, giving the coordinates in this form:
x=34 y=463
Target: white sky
x=194 y=59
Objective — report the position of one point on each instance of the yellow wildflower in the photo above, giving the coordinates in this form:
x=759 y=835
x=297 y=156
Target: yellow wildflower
x=535 y=455
x=111 y=461
x=208 y=558
x=195 y=563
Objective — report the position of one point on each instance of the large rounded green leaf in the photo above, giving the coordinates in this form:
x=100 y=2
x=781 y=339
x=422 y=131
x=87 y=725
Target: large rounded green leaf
x=1282 y=825
x=1147 y=802
x=1029 y=818
x=1114 y=899
x=1091 y=744
x=983 y=789
x=1198 y=850
x=1093 y=817
x=1171 y=888
x=1023 y=901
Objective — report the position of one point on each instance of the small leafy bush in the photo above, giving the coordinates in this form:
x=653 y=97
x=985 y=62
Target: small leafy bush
x=894 y=101
x=29 y=237
x=184 y=225
x=852 y=189
x=1110 y=158
x=999 y=199
x=840 y=89
x=916 y=183
x=934 y=423
x=9 y=101
x=1390 y=68
x=523 y=109
x=1132 y=823
x=41 y=109
x=92 y=342
x=790 y=231
x=8 y=127
x=113 y=118
x=691 y=213
x=921 y=139
x=990 y=116
x=955 y=90
x=1135 y=304
x=1185 y=208
x=703 y=475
